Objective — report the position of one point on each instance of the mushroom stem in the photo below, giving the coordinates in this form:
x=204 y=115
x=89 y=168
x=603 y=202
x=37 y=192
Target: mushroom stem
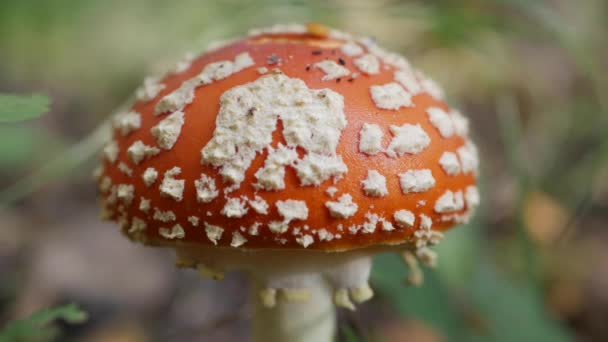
x=313 y=320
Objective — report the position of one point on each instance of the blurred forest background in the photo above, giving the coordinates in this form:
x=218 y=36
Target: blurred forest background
x=531 y=75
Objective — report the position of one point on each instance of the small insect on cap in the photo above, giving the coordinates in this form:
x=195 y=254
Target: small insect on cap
x=297 y=139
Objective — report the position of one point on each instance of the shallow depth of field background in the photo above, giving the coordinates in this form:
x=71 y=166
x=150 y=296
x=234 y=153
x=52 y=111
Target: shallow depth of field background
x=531 y=75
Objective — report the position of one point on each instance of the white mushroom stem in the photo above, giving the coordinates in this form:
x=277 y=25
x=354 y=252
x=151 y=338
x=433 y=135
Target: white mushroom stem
x=311 y=320
x=295 y=292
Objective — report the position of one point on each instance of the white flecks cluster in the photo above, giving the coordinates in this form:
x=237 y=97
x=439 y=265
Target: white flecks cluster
x=315 y=168
x=171 y=187
x=149 y=176
x=324 y=235
x=413 y=81
x=390 y=96
x=214 y=233
x=125 y=169
x=271 y=175
x=456 y=217
x=368 y=64
x=175 y=232
x=219 y=70
x=183 y=63
x=137 y=225
x=449 y=163
x=110 y=151
x=149 y=89
x=278 y=227
x=280 y=240
x=413 y=181
x=426 y=223
x=441 y=120
x=235 y=208
x=449 y=202
x=177 y=99
x=471 y=196
x=139 y=151
x=254 y=229
x=331 y=69
x=98 y=172
x=407 y=138
x=407 y=79
x=164 y=216
x=370 y=225
x=262 y=70
x=259 y=205
x=312 y=119
x=128 y=122
x=424 y=238
x=343 y=208
x=184 y=95
x=105 y=184
x=461 y=123
x=112 y=197
x=430 y=86
x=305 y=240
x=374 y=184
x=351 y=49
x=292 y=210
x=206 y=191
x=389 y=58
x=469 y=158
x=370 y=139
x=144 y=205
x=404 y=218
x=167 y=130
x=123 y=221
x=194 y=220
x=387 y=226
x=125 y=193
x=331 y=191
x=237 y=239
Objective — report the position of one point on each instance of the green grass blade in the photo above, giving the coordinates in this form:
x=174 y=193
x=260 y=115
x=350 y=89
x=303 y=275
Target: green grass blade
x=15 y=108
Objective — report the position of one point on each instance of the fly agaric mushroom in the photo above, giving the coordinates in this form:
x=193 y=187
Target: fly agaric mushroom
x=295 y=155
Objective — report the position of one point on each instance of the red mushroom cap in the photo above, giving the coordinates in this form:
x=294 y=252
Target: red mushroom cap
x=292 y=138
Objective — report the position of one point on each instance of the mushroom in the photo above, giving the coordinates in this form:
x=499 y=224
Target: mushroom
x=294 y=155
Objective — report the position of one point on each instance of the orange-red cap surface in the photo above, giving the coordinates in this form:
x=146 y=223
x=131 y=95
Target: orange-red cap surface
x=296 y=137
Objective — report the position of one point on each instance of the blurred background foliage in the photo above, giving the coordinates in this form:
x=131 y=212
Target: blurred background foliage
x=531 y=75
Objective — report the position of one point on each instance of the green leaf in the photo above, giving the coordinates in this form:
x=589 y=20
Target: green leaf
x=18 y=108
x=349 y=334
x=458 y=254
x=485 y=307
x=38 y=325
x=429 y=303
x=17 y=145
x=511 y=311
